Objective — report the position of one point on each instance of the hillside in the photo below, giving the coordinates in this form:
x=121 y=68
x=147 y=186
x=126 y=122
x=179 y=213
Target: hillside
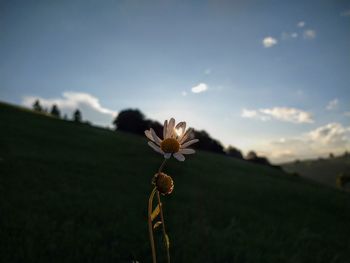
x=76 y=193
x=324 y=171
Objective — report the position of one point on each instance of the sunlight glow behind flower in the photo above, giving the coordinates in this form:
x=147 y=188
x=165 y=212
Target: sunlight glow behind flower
x=179 y=132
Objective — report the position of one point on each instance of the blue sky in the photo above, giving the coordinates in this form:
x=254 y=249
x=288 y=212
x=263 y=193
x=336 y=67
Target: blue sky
x=272 y=76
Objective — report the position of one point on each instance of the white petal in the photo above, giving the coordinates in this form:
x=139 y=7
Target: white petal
x=186 y=135
x=179 y=156
x=167 y=155
x=155 y=147
x=170 y=129
x=165 y=129
x=186 y=144
x=156 y=139
x=180 y=129
x=180 y=124
x=149 y=135
x=187 y=151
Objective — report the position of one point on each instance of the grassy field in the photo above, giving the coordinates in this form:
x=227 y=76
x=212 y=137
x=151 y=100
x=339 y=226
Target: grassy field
x=324 y=171
x=75 y=193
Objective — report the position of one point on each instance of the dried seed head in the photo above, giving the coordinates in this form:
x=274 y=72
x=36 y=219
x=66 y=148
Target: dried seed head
x=164 y=183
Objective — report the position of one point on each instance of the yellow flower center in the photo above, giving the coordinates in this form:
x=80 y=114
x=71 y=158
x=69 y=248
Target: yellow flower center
x=170 y=145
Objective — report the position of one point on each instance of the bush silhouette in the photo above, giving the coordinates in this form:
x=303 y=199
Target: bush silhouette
x=342 y=180
x=234 y=152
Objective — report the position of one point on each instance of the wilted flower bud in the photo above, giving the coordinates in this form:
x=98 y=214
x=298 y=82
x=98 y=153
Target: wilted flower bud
x=164 y=183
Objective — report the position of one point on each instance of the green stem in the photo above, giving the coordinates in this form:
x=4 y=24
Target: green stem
x=150 y=227
x=162 y=217
x=163 y=227
x=162 y=166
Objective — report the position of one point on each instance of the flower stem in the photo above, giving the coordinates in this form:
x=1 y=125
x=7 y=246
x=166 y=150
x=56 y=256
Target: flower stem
x=162 y=217
x=150 y=227
x=163 y=227
x=162 y=166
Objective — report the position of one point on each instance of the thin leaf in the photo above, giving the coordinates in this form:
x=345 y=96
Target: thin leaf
x=155 y=212
x=157 y=224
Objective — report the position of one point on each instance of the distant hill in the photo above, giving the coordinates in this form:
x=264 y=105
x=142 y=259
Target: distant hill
x=71 y=192
x=323 y=170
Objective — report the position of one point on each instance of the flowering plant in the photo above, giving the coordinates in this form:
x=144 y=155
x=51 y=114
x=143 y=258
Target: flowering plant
x=175 y=141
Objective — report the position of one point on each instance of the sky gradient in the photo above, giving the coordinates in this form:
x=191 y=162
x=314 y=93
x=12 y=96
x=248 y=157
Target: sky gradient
x=272 y=76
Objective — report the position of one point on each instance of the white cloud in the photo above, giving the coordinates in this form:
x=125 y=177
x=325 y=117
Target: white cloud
x=301 y=24
x=309 y=34
x=269 y=42
x=279 y=113
x=289 y=114
x=201 y=87
x=88 y=104
x=345 y=13
x=332 y=133
x=332 y=137
x=333 y=104
x=249 y=113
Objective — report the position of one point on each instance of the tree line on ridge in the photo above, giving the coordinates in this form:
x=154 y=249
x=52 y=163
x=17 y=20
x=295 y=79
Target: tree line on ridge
x=134 y=121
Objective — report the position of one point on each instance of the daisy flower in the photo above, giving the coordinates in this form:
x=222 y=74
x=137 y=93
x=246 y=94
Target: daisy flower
x=175 y=141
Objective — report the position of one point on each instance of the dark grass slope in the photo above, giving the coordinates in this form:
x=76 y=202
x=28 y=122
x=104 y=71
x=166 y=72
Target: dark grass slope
x=74 y=193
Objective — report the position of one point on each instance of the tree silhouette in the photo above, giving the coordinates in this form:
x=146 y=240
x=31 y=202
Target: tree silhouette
x=234 y=152
x=251 y=155
x=77 y=116
x=156 y=126
x=207 y=143
x=55 y=111
x=37 y=107
x=254 y=158
x=131 y=120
